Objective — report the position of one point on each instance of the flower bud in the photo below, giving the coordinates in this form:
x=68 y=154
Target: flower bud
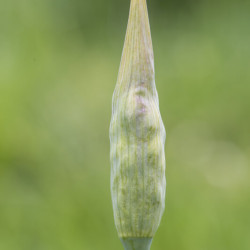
x=137 y=138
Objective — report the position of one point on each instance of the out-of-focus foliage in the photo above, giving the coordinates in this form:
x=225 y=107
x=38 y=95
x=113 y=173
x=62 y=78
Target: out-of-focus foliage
x=58 y=66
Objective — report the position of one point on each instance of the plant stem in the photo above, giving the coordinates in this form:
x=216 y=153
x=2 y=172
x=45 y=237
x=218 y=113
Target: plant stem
x=136 y=243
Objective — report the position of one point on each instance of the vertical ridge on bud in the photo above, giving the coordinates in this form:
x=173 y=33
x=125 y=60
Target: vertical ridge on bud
x=137 y=136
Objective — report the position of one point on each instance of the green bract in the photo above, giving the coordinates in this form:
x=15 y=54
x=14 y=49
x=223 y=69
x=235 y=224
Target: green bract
x=137 y=137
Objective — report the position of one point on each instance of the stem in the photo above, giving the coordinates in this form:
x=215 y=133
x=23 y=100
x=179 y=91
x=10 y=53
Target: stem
x=136 y=243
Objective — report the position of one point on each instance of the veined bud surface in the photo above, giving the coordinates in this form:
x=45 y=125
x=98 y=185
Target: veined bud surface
x=137 y=137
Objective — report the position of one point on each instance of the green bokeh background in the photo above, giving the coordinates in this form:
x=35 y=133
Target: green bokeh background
x=58 y=67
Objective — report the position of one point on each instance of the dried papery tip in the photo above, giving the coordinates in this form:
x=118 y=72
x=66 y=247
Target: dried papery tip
x=136 y=243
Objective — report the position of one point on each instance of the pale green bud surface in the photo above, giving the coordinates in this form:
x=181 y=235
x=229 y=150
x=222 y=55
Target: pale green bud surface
x=137 y=137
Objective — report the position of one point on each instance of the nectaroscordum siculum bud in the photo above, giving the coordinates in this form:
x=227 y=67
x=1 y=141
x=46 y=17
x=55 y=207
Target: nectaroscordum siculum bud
x=137 y=138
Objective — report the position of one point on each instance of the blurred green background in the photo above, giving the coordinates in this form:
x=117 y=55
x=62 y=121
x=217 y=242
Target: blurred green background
x=58 y=67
